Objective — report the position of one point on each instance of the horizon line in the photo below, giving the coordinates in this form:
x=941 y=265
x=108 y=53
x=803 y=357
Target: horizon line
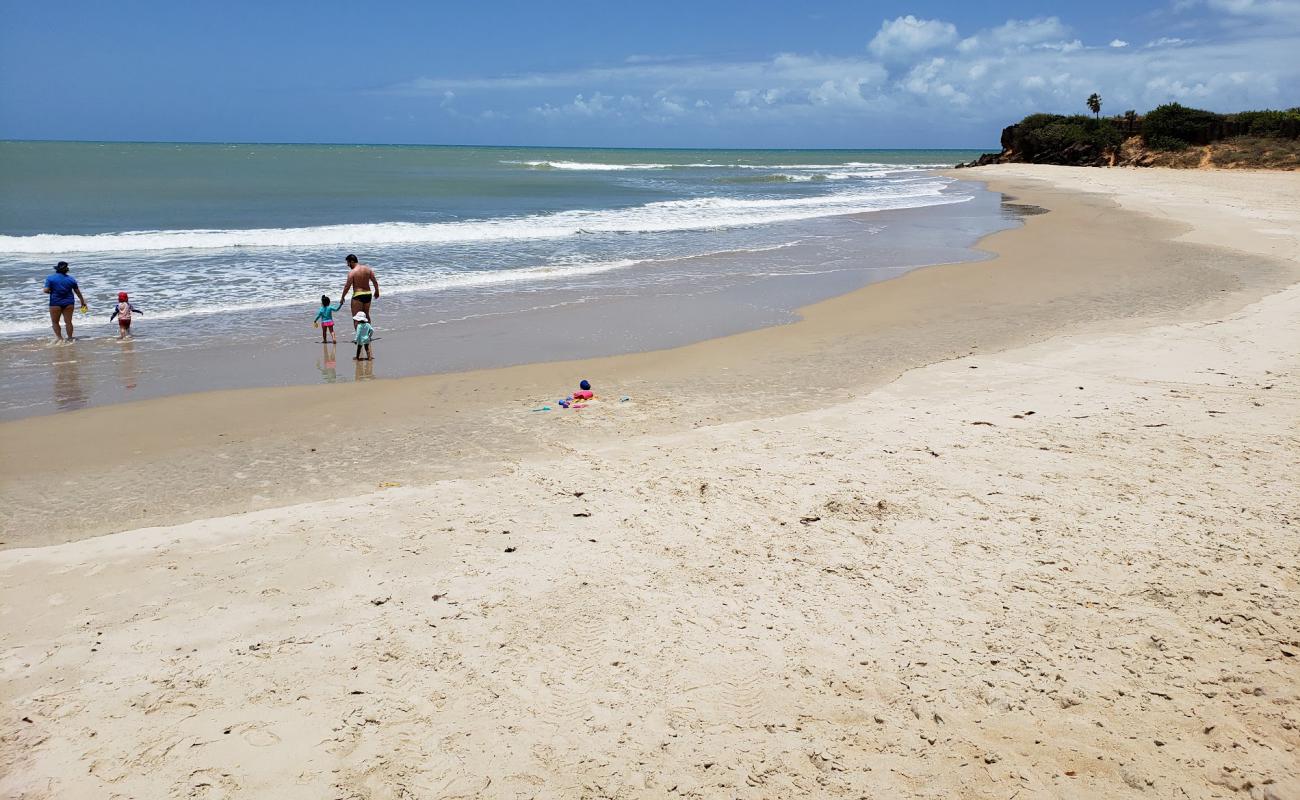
x=481 y=146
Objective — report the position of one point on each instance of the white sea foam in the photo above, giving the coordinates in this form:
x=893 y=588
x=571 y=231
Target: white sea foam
x=436 y=279
x=586 y=166
x=672 y=215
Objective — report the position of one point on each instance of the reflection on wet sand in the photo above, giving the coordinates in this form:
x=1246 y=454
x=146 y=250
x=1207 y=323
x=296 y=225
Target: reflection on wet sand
x=128 y=370
x=365 y=370
x=69 y=392
x=328 y=363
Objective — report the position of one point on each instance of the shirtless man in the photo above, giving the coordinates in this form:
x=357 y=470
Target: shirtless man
x=360 y=280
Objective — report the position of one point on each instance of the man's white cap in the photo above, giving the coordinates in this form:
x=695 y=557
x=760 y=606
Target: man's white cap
x=360 y=316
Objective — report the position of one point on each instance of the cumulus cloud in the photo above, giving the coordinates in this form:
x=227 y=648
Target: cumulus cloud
x=1118 y=43
x=905 y=36
x=1017 y=34
x=580 y=106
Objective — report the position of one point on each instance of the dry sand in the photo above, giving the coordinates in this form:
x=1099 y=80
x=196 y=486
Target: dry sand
x=1067 y=569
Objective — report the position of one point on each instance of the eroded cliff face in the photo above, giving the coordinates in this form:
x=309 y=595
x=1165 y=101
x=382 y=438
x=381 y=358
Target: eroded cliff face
x=1242 y=152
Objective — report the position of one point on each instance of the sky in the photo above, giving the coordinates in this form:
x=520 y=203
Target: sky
x=758 y=73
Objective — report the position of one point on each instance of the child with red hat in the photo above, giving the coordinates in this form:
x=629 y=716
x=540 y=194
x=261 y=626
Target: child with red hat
x=123 y=313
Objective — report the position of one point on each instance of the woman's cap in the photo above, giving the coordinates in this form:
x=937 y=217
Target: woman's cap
x=585 y=385
x=121 y=297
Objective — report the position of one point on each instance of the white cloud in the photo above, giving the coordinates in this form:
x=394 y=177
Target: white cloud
x=1060 y=47
x=904 y=36
x=580 y=106
x=1118 y=43
x=1015 y=34
x=1273 y=9
x=1167 y=41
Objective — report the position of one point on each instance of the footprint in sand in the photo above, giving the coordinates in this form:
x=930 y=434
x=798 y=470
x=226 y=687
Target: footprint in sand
x=256 y=733
x=208 y=784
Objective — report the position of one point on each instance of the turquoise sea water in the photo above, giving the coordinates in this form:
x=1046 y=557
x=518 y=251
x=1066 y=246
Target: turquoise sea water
x=486 y=256
x=191 y=228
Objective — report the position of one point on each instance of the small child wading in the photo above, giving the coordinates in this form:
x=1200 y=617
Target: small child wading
x=325 y=318
x=364 y=333
x=123 y=313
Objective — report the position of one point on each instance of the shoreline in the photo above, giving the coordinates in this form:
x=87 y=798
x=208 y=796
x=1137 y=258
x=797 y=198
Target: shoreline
x=639 y=306
x=1065 y=568
x=257 y=448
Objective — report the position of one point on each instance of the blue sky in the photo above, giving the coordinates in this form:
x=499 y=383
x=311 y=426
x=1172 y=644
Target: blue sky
x=669 y=73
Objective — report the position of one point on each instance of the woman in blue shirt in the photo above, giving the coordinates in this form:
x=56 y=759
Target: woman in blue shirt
x=61 y=287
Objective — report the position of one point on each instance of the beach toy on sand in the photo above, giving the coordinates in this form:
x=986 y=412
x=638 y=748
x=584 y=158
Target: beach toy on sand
x=542 y=408
x=624 y=399
x=564 y=404
x=584 y=384
x=585 y=394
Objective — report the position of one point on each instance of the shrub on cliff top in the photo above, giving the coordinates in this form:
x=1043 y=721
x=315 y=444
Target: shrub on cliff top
x=1040 y=135
x=1285 y=124
x=1172 y=121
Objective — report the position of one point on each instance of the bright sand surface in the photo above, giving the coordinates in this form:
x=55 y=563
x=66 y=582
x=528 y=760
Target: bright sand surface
x=1035 y=537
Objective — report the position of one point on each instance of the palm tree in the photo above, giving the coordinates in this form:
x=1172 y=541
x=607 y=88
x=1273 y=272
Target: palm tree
x=1094 y=104
x=1130 y=119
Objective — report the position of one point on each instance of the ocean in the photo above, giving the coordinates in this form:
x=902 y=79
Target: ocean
x=210 y=239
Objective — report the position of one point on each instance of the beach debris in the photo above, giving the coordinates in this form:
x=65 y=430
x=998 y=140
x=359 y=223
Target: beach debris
x=624 y=399
x=389 y=485
x=582 y=513
x=376 y=601
x=578 y=494
x=982 y=422
x=510 y=549
x=438 y=596
x=808 y=520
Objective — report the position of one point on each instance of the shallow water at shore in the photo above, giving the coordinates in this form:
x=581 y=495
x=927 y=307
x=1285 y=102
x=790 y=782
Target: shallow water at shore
x=649 y=306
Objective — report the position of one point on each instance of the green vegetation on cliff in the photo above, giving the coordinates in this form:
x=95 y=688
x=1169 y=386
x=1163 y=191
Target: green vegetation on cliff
x=1174 y=127
x=1171 y=129
x=1047 y=135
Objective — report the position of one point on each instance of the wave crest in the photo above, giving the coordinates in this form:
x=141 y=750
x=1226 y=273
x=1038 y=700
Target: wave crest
x=670 y=215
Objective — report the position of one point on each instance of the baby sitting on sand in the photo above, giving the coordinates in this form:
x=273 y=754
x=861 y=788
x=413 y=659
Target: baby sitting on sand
x=579 y=398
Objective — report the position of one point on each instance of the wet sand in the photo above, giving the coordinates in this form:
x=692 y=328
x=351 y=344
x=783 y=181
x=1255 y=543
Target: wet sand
x=1063 y=568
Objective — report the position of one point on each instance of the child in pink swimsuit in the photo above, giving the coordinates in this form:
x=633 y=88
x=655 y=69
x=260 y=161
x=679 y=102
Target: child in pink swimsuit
x=325 y=316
